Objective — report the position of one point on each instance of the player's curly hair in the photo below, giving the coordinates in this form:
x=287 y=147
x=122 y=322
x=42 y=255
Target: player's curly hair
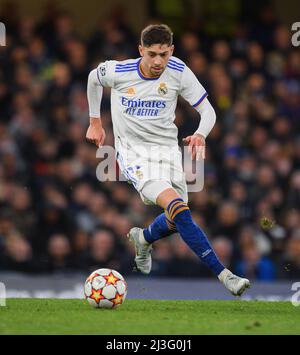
x=156 y=34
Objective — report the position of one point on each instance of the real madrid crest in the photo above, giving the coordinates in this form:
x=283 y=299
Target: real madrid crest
x=162 y=90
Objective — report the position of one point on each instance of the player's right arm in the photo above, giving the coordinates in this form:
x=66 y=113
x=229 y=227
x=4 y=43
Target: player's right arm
x=97 y=79
x=95 y=132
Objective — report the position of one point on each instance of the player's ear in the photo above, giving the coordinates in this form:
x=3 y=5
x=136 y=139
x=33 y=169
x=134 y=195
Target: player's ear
x=141 y=50
x=172 y=49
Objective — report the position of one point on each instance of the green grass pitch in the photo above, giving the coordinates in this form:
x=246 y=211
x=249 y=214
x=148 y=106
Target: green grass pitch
x=57 y=316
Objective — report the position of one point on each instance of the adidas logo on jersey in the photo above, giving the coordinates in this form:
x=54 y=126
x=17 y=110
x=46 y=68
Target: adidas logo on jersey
x=130 y=91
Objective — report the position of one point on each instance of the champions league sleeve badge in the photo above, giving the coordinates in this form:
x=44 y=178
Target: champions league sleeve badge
x=102 y=70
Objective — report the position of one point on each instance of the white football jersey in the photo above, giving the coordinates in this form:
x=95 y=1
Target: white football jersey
x=143 y=109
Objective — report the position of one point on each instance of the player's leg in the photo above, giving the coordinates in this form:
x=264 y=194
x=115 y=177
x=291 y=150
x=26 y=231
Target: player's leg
x=143 y=239
x=163 y=226
x=159 y=228
x=149 y=188
x=190 y=232
x=196 y=239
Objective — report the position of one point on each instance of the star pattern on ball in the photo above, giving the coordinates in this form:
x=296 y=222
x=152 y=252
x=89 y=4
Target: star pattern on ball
x=97 y=295
x=111 y=279
x=91 y=277
x=117 y=300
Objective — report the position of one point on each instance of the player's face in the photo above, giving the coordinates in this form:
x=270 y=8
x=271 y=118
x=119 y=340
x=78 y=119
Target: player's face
x=155 y=58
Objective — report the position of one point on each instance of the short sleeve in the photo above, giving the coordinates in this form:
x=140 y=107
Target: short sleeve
x=191 y=89
x=106 y=73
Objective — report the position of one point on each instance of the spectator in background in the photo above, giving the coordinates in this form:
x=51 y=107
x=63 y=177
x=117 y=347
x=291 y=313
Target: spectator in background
x=189 y=44
x=59 y=254
x=289 y=267
x=198 y=64
x=227 y=220
x=162 y=258
x=253 y=264
x=221 y=52
x=81 y=252
x=184 y=262
x=18 y=254
x=104 y=252
x=224 y=249
x=51 y=220
x=291 y=220
x=238 y=194
x=293 y=198
x=102 y=248
x=22 y=212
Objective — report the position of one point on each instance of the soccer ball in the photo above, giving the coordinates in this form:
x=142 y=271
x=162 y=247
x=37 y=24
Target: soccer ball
x=105 y=288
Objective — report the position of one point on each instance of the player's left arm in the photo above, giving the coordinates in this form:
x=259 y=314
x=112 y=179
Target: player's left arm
x=196 y=141
x=192 y=91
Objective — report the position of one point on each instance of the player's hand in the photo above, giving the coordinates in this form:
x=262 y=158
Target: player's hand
x=95 y=132
x=196 y=146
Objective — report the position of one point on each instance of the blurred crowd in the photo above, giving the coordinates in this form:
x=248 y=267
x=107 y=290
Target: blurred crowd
x=55 y=216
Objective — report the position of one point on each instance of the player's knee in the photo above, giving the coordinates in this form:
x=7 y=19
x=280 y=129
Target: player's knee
x=166 y=197
x=154 y=191
x=161 y=193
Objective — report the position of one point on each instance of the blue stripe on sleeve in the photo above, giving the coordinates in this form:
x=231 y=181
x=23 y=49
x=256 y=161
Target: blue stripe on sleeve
x=174 y=68
x=200 y=100
x=124 y=70
x=180 y=65
x=126 y=65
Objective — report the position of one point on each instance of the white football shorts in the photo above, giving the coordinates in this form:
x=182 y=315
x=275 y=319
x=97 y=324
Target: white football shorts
x=153 y=172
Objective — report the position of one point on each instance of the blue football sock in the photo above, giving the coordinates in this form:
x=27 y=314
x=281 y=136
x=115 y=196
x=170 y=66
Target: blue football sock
x=192 y=234
x=161 y=227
